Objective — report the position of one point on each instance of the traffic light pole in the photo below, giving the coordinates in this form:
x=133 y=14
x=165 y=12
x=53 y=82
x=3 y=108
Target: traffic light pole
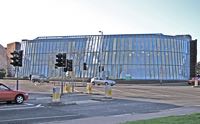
x=17 y=85
x=61 y=62
x=62 y=82
x=16 y=58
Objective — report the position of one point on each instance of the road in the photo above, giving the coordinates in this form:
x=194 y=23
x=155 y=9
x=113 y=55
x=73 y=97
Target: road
x=73 y=106
x=179 y=94
x=127 y=99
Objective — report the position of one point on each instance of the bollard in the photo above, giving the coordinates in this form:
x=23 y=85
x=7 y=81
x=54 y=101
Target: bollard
x=73 y=87
x=108 y=91
x=196 y=82
x=56 y=94
x=89 y=88
x=67 y=88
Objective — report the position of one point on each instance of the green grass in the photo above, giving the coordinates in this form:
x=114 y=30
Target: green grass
x=185 y=119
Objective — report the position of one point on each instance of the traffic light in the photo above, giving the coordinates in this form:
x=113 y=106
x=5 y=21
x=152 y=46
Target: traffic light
x=102 y=68
x=84 y=66
x=99 y=68
x=69 y=65
x=65 y=69
x=59 y=60
x=20 y=58
x=64 y=59
x=64 y=62
x=16 y=58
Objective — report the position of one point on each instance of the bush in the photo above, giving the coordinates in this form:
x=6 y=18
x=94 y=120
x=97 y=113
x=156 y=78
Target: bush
x=2 y=73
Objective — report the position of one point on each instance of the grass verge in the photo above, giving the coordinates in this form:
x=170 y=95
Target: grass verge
x=185 y=119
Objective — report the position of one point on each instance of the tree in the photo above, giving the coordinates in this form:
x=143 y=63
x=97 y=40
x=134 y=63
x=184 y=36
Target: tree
x=198 y=68
x=2 y=73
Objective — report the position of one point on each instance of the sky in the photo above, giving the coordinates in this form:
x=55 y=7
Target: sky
x=28 y=19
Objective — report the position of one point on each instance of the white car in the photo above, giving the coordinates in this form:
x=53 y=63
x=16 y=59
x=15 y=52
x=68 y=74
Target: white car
x=39 y=79
x=100 y=81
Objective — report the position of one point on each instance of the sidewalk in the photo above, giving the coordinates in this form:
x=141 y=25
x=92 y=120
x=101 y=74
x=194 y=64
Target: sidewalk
x=117 y=119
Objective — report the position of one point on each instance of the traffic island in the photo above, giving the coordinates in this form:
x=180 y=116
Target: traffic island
x=56 y=104
x=102 y=99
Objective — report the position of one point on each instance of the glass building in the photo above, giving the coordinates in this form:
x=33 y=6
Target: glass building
x=133 y=56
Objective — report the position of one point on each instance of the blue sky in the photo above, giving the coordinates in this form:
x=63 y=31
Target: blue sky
x=27 y=19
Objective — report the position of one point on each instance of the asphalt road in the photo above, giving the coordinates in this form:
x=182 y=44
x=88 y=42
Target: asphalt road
x=131 y=99
x=40 y=109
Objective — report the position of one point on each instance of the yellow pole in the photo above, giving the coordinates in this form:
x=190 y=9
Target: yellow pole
x=89 y=88
x=56 y=94
x=108 y=91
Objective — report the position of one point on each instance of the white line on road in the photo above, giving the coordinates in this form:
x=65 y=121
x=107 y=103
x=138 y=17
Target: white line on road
x=86 y=101
x=121 y=115
x=42 y=98
x=28 y=104
x=36 y=118
x=9 y=106
x=20 y=108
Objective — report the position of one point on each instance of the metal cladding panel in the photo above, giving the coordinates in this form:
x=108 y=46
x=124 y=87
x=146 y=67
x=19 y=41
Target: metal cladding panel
x=122 y=56
x=193 y=57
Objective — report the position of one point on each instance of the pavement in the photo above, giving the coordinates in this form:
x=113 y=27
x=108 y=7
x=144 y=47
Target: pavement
x=117 y=119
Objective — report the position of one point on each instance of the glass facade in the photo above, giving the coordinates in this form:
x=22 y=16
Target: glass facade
x=134 y=56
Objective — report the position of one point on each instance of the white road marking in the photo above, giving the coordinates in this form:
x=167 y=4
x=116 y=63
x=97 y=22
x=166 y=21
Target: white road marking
x=36 y=118
x=20 y=108
x=43 y=98
x=39 y=105
x=28 y=104
x=121 y=115
x=9 y=106
x=86 y=101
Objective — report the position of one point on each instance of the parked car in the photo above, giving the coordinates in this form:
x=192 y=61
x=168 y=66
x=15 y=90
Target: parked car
x=39 y=79
x=191 y=82
x=9 y=95
x=101 y=81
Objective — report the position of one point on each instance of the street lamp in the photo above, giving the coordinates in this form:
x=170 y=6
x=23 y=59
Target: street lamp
x=100 y=53
x=101 y=33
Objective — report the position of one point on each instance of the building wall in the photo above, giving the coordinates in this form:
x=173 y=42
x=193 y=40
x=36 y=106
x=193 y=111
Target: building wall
x=133 y=56
x=3 y=58
x=10 y=48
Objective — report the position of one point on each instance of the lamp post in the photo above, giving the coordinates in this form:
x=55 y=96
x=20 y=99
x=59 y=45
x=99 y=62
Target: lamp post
x=101 y=33
x=161 y=74
x=100 y=53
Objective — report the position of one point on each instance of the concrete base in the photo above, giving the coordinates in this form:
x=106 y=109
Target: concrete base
x=195 y=86
x=56 y=104
x=102 y=99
